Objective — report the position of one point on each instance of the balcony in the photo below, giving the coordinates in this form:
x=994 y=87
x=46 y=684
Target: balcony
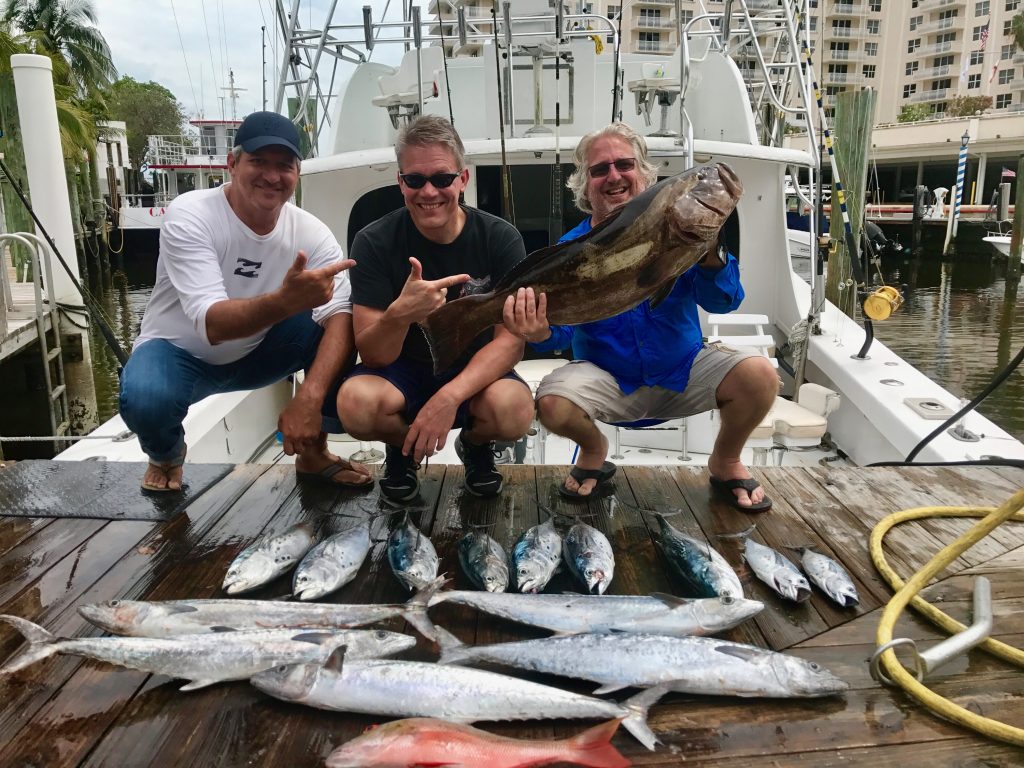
x=931 y=27
x=838 y=55
x=849 y=9
x=844 y=78
x=843 y=31
x=940 y=5
x=933 y=72
x=930 y=50
x=652 y=22
x=654 y=2
x=939 y=94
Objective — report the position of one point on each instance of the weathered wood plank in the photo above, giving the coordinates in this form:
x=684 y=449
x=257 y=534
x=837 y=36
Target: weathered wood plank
x=14 y=530
x=783 y=622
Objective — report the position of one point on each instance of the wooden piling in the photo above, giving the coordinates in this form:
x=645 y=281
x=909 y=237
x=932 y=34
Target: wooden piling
x=854 y=114
x=1013 y=263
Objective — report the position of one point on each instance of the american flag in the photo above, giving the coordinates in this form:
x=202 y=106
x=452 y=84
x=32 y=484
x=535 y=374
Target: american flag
x=984 y=36
x=1008 y=174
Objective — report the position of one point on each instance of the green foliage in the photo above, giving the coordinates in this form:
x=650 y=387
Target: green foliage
x=911 y=113
x=1017 y=30
x=149 y=109
x=963 y=106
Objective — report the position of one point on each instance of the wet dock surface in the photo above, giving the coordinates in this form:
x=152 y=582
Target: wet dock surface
x=67 y=711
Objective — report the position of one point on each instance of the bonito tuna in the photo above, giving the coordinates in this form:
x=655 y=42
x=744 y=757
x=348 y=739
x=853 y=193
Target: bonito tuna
x=458 y=694
x=332 y=563
x=484 y=561
x=830 y=576
x=426 y=741
x=703 y=665
x=412 y=556
x=211 y=658
x=588 y=553
x=700 y=565
x=659 y=613
x=634 y=255
x=170 y=618
x=536 y=557
x=268 y=558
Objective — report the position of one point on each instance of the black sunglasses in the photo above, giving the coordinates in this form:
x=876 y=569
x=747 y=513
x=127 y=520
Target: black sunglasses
x=439 y=180
x=622 y=165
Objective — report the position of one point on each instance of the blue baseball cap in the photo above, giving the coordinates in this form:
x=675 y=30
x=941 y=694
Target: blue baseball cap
x=265 y=129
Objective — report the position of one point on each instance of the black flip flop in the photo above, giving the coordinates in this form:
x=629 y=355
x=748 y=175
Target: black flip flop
x=326 y=476
x=602 y=475
x=725 y=488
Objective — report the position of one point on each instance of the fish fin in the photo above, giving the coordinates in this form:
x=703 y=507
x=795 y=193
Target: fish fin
x=671 y=600
x=195 y=685
x=739 y=534
x=317 y=638
x=447 y=640
x=595 y=746
x=337 y=659
x=565 y=633
x=453 y=650
x=450 y=329
x=662 y=293
x=179 y=608
x=41 y=644
x=223 y=629
x=610 y=688
x=740 y=652
x=636 y=721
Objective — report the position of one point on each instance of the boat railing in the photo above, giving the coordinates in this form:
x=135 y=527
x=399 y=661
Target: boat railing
x=769 y=33
x=185 y=150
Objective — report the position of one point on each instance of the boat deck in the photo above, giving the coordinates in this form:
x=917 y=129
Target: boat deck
x=67 y=711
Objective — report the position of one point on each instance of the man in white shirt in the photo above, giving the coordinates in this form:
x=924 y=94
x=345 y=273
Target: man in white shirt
x=249 y=288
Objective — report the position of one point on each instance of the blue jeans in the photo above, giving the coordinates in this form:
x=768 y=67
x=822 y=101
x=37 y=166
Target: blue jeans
x=160 y=381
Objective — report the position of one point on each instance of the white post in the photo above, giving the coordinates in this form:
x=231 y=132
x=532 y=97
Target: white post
x=44 y=161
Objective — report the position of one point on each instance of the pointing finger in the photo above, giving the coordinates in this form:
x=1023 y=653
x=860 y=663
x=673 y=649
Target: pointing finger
x=448 y=282
x=338 y=266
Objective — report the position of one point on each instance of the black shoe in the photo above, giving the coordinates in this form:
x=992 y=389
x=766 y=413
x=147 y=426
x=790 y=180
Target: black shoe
x=400 y=482
x=482 y=479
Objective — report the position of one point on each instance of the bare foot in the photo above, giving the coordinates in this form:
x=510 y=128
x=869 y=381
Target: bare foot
x=162 y=478
x=733 y=469
x=587 y=460
x=352 y=472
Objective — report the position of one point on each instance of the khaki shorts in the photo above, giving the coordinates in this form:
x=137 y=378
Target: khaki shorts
x=598 y=394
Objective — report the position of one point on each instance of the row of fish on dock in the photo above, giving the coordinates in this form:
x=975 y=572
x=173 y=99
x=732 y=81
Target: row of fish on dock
x=318 y=654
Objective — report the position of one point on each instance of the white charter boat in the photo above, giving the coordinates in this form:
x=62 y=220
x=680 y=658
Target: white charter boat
x=724 y=94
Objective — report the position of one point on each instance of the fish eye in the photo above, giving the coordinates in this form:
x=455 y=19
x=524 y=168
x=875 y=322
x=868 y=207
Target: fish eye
x=727 y=599
x=114 y=603
x=381 y=634
x=815 y=667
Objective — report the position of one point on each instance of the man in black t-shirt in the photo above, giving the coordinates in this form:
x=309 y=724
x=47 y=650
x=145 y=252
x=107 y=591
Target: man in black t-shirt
x=409 y=263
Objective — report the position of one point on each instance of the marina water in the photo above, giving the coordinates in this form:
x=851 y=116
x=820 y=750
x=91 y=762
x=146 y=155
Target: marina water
x=956 y=326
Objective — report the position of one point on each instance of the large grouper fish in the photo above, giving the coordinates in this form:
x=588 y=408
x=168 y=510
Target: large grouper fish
x=635 y=254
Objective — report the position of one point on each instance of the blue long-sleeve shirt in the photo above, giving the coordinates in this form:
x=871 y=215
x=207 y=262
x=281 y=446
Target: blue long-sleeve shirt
x=651 y=347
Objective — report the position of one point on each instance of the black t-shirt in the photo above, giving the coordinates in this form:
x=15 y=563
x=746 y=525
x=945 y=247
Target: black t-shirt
x=487 y=247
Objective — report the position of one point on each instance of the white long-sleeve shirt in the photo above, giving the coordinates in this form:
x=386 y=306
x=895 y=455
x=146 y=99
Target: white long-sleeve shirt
x=207 y=255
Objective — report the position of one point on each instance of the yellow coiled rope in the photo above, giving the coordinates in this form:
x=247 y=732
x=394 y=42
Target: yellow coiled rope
x=906 y=594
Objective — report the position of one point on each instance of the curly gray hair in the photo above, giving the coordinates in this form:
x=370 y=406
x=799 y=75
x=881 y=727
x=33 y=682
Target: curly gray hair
x=429 y=130
x=578 y=179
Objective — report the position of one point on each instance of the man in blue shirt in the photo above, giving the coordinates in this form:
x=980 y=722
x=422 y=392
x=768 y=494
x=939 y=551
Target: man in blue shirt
x=646 y=363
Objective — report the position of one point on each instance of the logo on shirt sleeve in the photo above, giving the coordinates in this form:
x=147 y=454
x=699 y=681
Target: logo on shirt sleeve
x=248 y=268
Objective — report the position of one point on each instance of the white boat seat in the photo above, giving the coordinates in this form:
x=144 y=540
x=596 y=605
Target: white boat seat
x=803 y=423
x=655 y=85
x=400 y=94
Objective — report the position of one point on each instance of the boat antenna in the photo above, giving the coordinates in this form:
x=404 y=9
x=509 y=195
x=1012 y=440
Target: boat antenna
x=444 y=59
x=91 y=303
x=616 y=108
x=506 y=182
x=555 y=222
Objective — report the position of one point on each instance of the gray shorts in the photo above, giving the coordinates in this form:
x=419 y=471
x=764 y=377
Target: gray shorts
x=598 y=394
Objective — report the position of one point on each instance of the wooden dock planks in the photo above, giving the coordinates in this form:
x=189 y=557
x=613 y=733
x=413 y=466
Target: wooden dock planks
x=68 y=711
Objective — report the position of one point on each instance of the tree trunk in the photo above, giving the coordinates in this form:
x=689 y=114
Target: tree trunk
x=17 y=218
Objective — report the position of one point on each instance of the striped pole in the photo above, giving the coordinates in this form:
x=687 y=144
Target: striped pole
x=961 y=171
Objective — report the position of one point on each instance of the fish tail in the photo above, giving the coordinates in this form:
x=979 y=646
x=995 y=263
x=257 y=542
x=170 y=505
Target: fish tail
x=451 y=328
x=593 y=747
x=416 y=609
x=41 y=644
x=453 y=650
x=636 y=721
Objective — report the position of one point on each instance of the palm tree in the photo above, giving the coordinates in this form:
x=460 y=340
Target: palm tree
x=66 y=31
x=1017 y=30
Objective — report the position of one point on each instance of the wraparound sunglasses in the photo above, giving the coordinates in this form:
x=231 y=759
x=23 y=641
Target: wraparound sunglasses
x=438 y=180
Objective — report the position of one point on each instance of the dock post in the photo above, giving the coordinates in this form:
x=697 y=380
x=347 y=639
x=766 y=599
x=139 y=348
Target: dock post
x=1013 y=263
x=921 y=193
x=961 y=171
x=44 y=162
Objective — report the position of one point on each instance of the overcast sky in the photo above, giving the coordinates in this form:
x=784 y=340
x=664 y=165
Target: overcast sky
x=215 y=36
